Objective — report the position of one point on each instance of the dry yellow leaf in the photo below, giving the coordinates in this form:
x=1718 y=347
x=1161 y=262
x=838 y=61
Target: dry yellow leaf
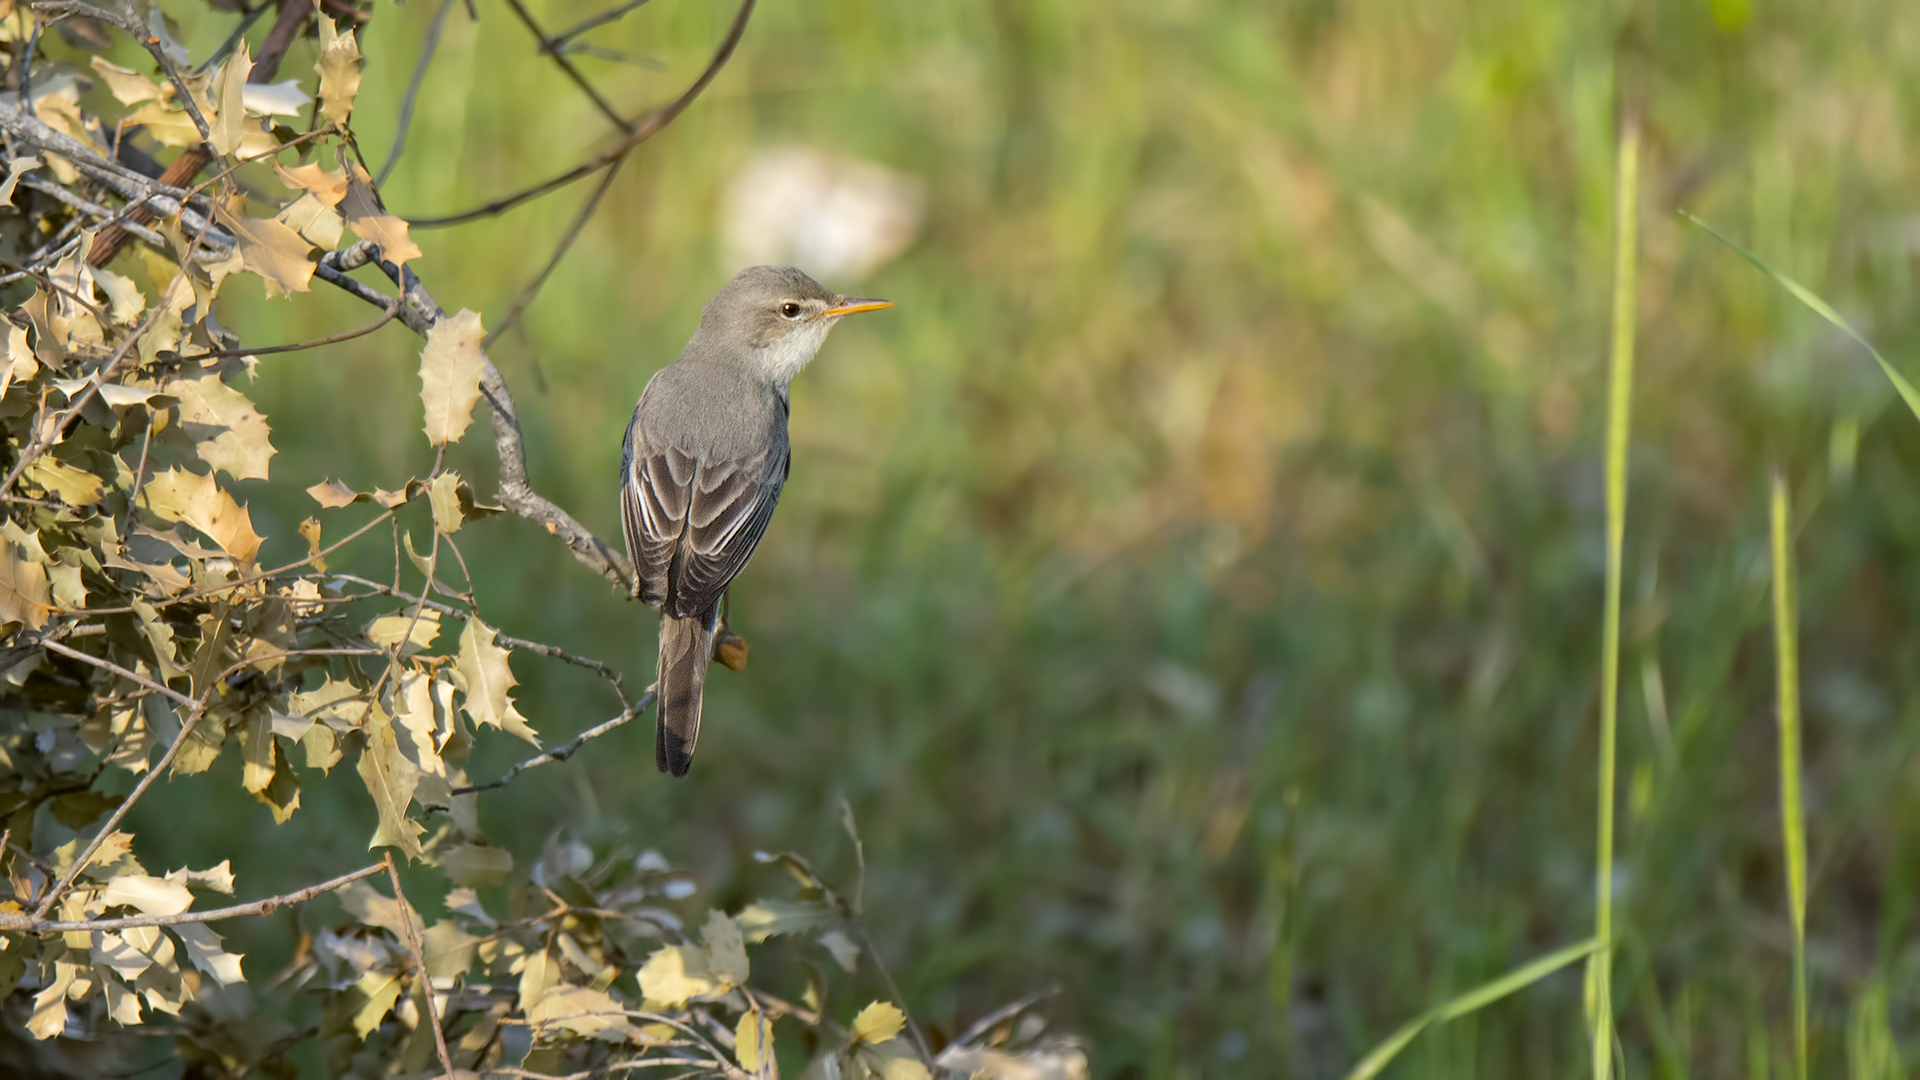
x=273 y=250
x=227 y=431
x=227 y=124
x=309 y=217
x=371 y=222
x=23 y=589
x=339 y=68
x=450 y=368
x=328 y=188
x=181 y=495
x=878 y=1023
x=483 y=675
x=127 y=86
x=753 y=1041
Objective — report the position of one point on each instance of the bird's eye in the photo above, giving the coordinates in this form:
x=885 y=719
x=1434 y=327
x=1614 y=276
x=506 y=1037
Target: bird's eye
x=790 y=309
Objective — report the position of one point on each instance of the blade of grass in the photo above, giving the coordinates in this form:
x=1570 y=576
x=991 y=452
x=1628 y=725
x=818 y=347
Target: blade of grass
x=1793 y=838
x=1821 y=308
x=1619 y=412
x=1477 y=998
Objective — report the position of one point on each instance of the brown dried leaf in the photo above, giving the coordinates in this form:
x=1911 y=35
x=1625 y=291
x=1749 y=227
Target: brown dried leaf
x=123 y=296
x=23 y=590
x=332 y=494
x=483 y=675
x=21 y=364
x=16 y=168
x=339 y=68
x=127 y=86
x=168 y=125
x=391 y=780
x=180 y=495
x=444 y=493
x=450 y=369
x=227 y=431
x=310 y=217
x=327 y=188
x=228 y=122
x=371 y=222
x=273 y=250
x=75 y=487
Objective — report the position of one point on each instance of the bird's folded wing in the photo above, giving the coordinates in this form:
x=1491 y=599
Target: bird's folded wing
x=709 y=515
x=732 y=501
x=653 y=513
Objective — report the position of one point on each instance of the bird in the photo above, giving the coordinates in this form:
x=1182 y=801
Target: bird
x=701 y=469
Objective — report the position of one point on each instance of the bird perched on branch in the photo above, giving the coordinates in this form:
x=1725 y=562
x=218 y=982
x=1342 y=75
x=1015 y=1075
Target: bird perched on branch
x=702 y=466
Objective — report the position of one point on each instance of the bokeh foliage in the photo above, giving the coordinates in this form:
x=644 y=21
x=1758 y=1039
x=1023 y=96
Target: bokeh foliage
x=1194 y=584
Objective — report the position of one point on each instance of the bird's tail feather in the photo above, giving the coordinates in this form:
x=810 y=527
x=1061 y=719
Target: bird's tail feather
x=685 y=647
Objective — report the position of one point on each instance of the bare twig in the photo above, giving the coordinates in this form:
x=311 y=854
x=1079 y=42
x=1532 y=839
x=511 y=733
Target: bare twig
x=567 y=749
x=420 y=959
x=393 y=310
x=646 y=129
x=593 y=22
x=94 y=209
x=532 y=289
x=108 y=665
x=551 y=48
x=35 y=925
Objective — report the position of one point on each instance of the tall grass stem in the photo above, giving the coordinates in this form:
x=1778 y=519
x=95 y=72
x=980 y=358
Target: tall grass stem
x=1793 y=834
x=1619 y=412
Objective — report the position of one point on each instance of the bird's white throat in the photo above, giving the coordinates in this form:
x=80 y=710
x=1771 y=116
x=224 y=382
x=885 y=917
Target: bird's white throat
x=784 y=358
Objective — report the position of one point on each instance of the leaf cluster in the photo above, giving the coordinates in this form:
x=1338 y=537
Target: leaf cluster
x=144 y=633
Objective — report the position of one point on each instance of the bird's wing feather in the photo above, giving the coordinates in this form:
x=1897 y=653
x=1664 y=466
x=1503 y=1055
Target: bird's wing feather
x=653 y=513
x=727 y=514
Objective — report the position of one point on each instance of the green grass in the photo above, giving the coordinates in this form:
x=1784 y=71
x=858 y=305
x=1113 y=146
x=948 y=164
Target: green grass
x=1793 y=818
x=1600 y=1024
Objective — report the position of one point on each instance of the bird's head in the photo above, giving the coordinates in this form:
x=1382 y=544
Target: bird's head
x=778 y=317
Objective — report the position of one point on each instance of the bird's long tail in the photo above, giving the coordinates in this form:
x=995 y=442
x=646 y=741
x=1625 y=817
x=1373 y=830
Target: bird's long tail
x=685 y=647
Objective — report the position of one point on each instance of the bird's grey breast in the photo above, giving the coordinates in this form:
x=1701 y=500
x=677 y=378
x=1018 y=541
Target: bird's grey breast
x=712 y=411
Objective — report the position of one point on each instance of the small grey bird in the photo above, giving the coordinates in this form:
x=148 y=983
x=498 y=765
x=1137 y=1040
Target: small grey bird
x=702 y=466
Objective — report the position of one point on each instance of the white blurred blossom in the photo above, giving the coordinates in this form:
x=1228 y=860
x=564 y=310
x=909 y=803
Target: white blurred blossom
x=838 y=218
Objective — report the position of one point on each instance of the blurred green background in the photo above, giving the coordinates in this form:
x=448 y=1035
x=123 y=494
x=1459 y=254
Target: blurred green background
x=1194 y=584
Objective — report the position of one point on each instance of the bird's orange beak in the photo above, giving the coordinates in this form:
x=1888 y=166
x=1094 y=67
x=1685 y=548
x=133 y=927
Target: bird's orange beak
x=853 y=305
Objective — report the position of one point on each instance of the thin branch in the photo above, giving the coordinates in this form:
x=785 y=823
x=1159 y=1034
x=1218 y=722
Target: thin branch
x=35 y=925
x=108 y=665
x=913 y=1026
x=163 y=197
x=537 y=647
x=646 y=129
x=110 y=217
x=393 y=310
x=407 y=103
x=532 y=288
x=551 y=48
x=420 y=959
x=593 y=22
x=567 y=750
